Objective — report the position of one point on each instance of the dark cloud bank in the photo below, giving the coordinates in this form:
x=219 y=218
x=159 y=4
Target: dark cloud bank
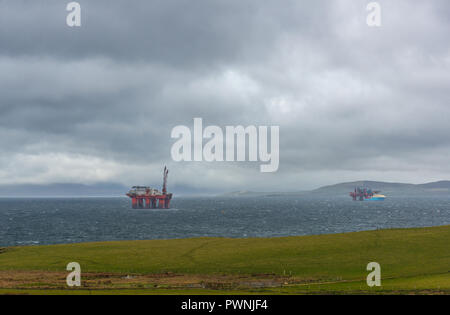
x=98 y=103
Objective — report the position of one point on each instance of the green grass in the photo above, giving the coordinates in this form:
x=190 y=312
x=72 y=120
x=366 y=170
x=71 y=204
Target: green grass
x=412 y=260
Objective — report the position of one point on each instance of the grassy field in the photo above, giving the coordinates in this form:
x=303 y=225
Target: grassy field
x=412 y=261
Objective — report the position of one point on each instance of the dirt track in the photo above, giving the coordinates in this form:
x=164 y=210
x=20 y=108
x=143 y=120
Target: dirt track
x=56 y=280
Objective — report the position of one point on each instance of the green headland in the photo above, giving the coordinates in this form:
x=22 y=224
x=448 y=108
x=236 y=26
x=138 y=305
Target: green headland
x=412 y=261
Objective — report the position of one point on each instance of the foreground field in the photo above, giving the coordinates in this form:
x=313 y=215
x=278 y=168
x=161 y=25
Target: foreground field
x=412 y=261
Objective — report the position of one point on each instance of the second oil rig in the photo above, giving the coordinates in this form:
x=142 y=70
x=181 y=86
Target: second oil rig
x=144 y=197
x=361 y=194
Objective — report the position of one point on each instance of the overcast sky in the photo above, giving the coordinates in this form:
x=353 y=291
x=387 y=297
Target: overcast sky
x=97 y=103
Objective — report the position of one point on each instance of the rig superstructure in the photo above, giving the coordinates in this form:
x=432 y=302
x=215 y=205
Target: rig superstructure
x=144 y=197
x=361 y=194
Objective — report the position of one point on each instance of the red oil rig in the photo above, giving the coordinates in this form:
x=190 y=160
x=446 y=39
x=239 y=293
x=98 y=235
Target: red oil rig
x=144 y=197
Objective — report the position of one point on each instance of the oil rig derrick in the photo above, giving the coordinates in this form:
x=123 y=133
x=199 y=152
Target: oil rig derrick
x=145 y=197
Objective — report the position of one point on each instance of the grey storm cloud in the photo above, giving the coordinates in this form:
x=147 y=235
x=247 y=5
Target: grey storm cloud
x=97 y=103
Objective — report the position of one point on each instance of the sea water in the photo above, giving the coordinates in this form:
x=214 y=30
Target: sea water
x=36 y=221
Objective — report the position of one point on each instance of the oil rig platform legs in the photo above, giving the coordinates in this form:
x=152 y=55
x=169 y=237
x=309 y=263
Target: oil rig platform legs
x=144 y=197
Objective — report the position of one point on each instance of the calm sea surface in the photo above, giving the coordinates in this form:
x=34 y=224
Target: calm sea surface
x=54 y=220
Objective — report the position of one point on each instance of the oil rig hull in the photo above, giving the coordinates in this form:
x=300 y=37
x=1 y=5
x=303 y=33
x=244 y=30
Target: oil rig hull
x=144 y=197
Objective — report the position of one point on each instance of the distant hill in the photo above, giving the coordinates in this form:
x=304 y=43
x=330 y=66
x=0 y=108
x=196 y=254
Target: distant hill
x=115 y=189
x=246 y=193
x=82 y=190
x=242 y=193
x=342 y=189
x=441 y=185
x=62 y=190
x=386 y=187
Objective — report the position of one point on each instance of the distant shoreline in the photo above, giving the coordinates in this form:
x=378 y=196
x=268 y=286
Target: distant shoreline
x=106 y=190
